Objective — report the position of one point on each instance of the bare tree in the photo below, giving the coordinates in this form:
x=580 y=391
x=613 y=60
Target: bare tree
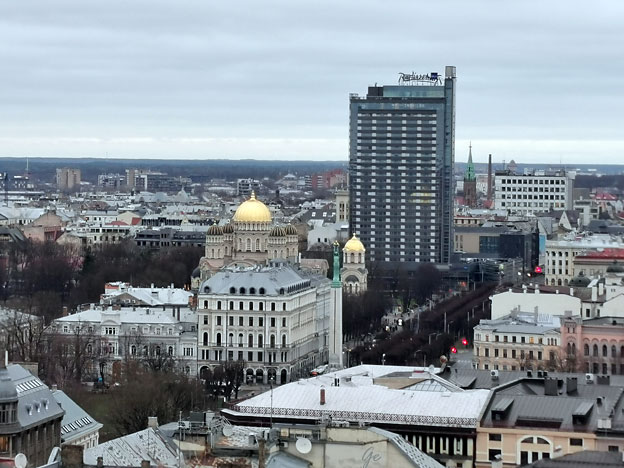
x=23 y=335
x=69 y=355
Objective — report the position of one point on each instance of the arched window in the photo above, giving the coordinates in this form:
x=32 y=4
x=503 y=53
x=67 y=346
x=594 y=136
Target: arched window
x=144 y=350
x=257 y=245
x=250 y=341
x=251 y=306
x=586 y=350
x=241 y=306
x=621 y=351
x=604 y=368
x=595 y=350
x=231 y=305
x=261 y=306
x=218 y=305
x=240 y=244
x=218 y=339
x=240 y=340
x=205 y=338
x=205 y=304
x=260 y=340
x=170 y=351
x=604 y=351
x=573 y=349
x=272 y=341
x=283 y=341
x=232 y=290
x=252 y=290
x=231 y=339
x=351 y=257
x=242 y=290
x=157 y=350
x=211 y=253
x=248 y=244
x=133 y=350
x=261 y=290
x=89 y=348
x=284 y=306
x=613 y=351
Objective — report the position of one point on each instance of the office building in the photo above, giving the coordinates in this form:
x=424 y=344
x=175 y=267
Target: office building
x=401 y=160
x=534 y=192
x=68 y=179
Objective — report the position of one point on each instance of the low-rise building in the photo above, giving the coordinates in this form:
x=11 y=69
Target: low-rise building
x=114 y=336
x=77 y=426
x=518 y=342
x=30 y=417
x=596 y=345
x=561 y=254
x=436 y=416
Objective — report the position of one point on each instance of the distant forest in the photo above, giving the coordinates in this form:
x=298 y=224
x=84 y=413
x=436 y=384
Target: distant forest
x=44 y=169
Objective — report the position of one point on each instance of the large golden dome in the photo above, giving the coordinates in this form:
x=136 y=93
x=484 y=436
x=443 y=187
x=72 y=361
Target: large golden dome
x=354 y=245
x=252 y=211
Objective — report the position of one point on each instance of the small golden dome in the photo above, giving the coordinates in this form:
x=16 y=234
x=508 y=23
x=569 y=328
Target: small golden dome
x=252 y=211
x=354 y=245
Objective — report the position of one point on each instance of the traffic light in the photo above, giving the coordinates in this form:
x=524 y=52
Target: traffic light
x=464 y=341
x=453 y=350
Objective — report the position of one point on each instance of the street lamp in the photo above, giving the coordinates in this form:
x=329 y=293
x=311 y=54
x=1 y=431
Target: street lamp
x=383 y=359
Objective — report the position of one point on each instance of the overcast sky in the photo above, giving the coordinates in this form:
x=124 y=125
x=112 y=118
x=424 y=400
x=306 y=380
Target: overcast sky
x=537 y=81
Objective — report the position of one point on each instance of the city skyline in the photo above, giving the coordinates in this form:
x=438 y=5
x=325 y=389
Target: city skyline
x=148 y=80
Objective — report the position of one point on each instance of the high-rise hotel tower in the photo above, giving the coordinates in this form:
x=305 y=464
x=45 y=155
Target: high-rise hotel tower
x=401 y=157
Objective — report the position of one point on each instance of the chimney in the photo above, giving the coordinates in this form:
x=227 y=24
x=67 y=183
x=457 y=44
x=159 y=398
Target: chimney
x=145 y=464
x=53 y=387
x=601 y=289
x=551 y=387
x=322 y=396
x=178 y=313
x=152 y=421
x=65 y=311
x=72 y=456
x=594 y=294
x=571 y=385
x=261 y=452
x=489 y=179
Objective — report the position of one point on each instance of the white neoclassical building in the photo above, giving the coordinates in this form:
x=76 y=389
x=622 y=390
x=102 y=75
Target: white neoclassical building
x=274 y=317
x=354 y=273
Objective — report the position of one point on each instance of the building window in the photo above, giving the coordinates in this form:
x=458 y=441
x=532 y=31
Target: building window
x=495 y=437
x=576 y=442
x=231 y=320
x=218 y=320
x=250 y=321
x=261 y=321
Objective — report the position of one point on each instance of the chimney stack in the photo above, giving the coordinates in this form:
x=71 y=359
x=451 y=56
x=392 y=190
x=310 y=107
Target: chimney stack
x=489 y=181
x=322 y=396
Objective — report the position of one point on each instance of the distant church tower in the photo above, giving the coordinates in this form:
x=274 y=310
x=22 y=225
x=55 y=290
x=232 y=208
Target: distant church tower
x=470 y=183
x=354 y=273
x=335 y=319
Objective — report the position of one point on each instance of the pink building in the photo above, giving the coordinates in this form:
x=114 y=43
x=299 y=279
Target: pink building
x=596 y=345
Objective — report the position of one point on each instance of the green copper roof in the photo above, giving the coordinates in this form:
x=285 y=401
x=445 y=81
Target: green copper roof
x=470 y=171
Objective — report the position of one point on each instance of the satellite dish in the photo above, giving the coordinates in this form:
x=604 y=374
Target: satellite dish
x=303 y=445
x=20 y=460
x=227 y=431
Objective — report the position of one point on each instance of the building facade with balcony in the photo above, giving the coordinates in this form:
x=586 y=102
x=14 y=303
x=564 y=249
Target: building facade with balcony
x=275 y=318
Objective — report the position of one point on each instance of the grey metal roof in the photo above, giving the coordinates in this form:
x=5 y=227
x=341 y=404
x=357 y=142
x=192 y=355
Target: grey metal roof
x=36 y=404
x=274 y=280
x=76 y=421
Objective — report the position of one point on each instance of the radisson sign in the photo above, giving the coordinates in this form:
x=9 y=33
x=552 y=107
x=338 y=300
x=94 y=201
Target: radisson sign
x=432 y=77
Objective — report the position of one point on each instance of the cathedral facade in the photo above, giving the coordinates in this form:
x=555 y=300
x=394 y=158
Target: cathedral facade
x=250 y=238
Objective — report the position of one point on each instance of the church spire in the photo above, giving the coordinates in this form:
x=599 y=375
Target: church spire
x=470 y=171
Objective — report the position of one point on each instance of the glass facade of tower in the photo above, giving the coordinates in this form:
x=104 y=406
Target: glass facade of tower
x=401 y=157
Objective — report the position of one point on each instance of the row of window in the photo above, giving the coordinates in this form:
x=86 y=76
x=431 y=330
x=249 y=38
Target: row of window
x=241 y=338
x=218 y=356
x=250 y=321
x=251 y=305
x=514 y=353
x=514 y=339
